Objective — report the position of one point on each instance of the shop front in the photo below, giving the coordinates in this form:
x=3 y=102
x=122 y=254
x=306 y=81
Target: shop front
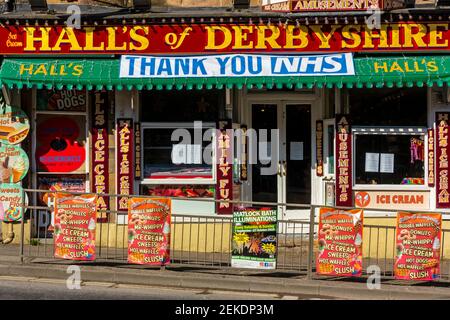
x=340 y=128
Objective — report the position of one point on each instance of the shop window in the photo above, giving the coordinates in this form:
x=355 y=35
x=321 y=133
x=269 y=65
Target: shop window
x=390 y=159
x=182 y=105
x=165 y=160
x=388 y=107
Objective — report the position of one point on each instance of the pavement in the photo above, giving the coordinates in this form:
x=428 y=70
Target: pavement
x=253 y=282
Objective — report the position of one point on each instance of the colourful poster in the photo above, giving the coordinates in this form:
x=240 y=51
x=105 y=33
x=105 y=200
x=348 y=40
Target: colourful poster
x=61 y=144
x=418 y=246
x=69 y=183
x=149 y=231
x=11 y=201
x=14 y=125
x=14 y=164
x=254 y=242
x=340 y=242
x=75 y=222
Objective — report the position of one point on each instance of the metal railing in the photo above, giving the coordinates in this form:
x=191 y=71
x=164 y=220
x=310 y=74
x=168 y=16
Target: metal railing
x=206 y=240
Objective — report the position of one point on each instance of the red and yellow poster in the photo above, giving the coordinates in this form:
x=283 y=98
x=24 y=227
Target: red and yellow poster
x=418 y=246
x=340 y=242
x=75 y=222
x=149 y=231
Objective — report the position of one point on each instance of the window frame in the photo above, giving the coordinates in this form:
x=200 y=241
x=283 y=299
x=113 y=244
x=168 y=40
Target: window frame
x=181 y=181
x=395 y=130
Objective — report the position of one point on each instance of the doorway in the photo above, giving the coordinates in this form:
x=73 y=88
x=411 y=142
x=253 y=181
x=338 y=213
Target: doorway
x=292 y=181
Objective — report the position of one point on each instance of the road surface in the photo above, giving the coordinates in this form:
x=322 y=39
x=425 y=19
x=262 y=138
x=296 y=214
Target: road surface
x=51 y=289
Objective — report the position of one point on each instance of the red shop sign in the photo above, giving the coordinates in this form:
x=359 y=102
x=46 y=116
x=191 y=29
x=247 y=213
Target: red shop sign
x=442 y=151
x=319 y=148
x=431 y=152
x=124 y=163
x=224 y=186
x=223 y=38
x=100 y=150
x=344 y=194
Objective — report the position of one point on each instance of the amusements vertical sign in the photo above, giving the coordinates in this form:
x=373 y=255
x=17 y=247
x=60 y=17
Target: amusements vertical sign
x=100 y=152
x=344 y=194
x=149 y=231
x=340 y=242
x=224 y=187
x=75 y=222
x=124 y=163
x=442 y=170
x=418 y=246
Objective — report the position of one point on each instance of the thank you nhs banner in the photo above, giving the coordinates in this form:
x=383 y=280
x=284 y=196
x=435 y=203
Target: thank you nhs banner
x=236 y=65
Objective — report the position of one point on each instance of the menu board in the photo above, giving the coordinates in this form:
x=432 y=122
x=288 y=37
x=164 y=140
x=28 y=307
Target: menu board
x=418 y=246
x=254 y=238
x=74 y=234
x=340 y=242
x=149 y=231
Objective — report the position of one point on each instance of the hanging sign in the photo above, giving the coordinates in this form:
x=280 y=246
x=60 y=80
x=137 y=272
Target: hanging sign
x=124 y=163
x=340 y=242
x=137 y=151
x=244 y=154
x=319 y=148
x=418 y=246
x=75 y=225
x=254 y=238
x=14 y=125
x=100 y=151
x=236 y=65
x=147 y=39
x=344 y=197
x=58 y=100
x=397 y=200
x=149 y=231
x=442 y=159
x=11 y=202
x=431 y=152
x=14 y=164
x=224 y=186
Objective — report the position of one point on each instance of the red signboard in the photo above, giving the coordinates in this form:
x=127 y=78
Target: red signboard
x=344 y=194
x=319 y=148
x=442 y=151
x=125 y=162
x=100 y=150
x=224 y=186
x=431 y=153
x=210 y=38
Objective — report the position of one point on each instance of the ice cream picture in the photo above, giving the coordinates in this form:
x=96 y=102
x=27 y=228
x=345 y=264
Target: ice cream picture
x=91 y=226
x=19 y=169
x=358 y=239
x=436 y=244
x=14 y=164
x=322 y=244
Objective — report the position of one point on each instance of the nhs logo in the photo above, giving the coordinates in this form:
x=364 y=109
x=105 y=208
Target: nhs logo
x=236 y=65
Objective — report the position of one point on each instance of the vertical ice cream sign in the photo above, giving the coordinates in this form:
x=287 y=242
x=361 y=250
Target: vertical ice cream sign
x=431 y=152
x=442 y=170
x=149 y=231
x=100 y=151
x=124 y=162
x=340 y=242
x=344 y=194
x=75 y=223
x=137 y=151
x=418 y=246
x=224 y=186
x=319 y=148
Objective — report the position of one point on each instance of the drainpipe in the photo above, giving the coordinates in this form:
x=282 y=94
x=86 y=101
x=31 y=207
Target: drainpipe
x=10 y=236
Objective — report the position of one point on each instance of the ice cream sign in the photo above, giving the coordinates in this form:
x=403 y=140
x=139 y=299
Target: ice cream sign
x=14 y=164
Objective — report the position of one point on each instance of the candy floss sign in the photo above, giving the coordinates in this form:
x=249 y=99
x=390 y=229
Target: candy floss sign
x=418 y=246
x=75 y=224
x=149 y=231
x=340 y=242
x=11 y=202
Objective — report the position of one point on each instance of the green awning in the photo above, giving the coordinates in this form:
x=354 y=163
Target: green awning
x=97 y=74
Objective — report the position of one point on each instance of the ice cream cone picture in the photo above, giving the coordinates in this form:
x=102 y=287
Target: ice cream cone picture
x=322 y=244
x=14 y=164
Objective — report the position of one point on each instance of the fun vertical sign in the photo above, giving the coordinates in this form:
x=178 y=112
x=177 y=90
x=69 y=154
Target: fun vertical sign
x=124 y=163
x=100 y=152
x=344 y=197
x=224 y=186
x=442 y=172
x=431 y=152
